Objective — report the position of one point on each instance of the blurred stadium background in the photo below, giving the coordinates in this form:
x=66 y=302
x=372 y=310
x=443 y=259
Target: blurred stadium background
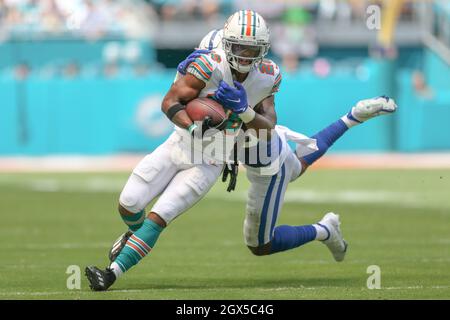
x=81 y=83
x=86 y=77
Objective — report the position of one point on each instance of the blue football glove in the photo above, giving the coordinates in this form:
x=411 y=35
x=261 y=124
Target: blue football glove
x=231 y=98
x=182 y=67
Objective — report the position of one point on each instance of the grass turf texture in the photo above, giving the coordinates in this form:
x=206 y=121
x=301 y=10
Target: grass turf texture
x=396 y=219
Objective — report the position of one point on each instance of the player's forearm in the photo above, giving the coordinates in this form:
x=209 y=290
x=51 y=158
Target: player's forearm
x=262 y=118
x=174 y=102
x=172 y=107
x=182 y=120
x=261 y=125
x=181 y=92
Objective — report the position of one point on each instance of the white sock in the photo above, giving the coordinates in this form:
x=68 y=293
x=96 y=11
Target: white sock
x=321 y=232
x=349 y=122
x=116 y=269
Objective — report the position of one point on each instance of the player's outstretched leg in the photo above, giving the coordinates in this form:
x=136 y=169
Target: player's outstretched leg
x=287 y=237
x=134 y=197
x=326 y=230
x=363 y=111
x=139 y=244
x=134 y=221
x=265 y=202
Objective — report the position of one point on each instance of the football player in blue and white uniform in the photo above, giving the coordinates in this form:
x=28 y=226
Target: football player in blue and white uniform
x=269 y=180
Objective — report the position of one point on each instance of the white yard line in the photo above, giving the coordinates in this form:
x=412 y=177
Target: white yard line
x=221 y=289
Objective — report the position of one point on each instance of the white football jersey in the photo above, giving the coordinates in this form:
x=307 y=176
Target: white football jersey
x=278 y=146
x=262 y=81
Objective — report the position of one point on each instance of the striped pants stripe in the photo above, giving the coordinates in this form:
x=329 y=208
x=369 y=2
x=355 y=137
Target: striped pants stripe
x=265 y=201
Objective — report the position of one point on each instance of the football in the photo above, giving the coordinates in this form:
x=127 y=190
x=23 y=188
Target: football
x=200 y=108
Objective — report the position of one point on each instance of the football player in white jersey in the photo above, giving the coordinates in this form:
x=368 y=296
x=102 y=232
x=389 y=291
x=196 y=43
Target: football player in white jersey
x=236 y=74
x=269 y=180
x=244 y=83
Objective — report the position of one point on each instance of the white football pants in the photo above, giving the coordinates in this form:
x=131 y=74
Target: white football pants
x=265 y=200
x=167 y=172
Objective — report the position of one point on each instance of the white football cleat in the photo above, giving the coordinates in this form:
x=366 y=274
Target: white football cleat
x=370 y=108
x=335 y=242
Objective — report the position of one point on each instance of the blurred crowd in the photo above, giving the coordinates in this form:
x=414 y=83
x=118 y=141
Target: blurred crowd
x=84 y=18
x=272 y=10
x=292 y=22
x=139 y=18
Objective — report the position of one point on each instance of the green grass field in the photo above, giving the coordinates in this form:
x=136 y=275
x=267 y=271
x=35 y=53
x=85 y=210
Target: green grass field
x=396 y=219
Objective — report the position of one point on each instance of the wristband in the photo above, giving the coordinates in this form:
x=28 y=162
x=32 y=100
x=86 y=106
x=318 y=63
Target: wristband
x=191 y=128
x=248 y=115
x=172 y=111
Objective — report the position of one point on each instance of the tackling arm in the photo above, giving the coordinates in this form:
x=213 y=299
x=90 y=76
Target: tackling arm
x=265 y=116
x=181 y=92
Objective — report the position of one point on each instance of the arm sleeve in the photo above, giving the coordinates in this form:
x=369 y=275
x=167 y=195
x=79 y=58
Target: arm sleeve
x=202 y=68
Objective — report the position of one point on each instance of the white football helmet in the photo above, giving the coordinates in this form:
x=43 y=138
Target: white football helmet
x=246 y=40
x=212 y=41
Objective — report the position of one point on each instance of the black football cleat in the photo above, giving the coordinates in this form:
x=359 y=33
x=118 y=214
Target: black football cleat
x=118 y=245
x=100 y=280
